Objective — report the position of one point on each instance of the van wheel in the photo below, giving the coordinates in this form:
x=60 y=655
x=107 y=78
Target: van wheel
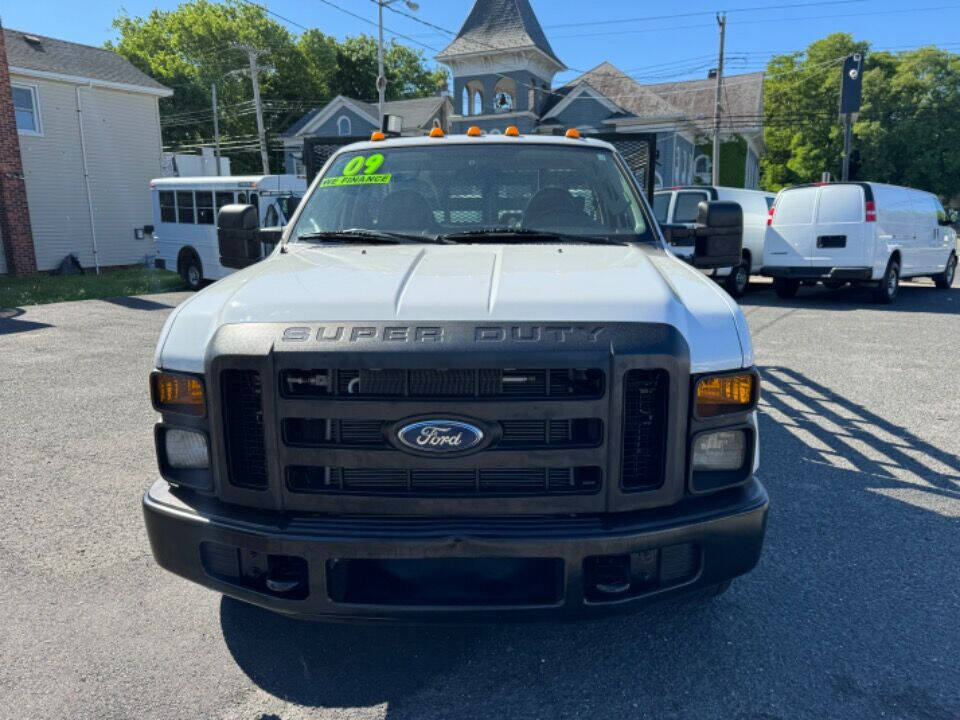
x=887 y=288
x=736 y=282
x=944 y=280
x=191 y=270
x=786 y=288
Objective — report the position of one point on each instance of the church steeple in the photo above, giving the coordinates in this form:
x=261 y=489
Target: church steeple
x=502 y=63
x=494 y=25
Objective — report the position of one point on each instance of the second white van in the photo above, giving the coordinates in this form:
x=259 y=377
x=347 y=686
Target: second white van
x=679 y=206
x=857 y=232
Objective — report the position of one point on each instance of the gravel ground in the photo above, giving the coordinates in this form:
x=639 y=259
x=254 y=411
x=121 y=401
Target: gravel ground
x=853 y=612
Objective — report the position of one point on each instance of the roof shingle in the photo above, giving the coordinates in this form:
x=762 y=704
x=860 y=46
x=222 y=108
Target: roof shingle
x=67 y=58
x=499 y=25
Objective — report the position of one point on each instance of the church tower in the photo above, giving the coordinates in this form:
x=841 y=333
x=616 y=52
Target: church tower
x=502 y=66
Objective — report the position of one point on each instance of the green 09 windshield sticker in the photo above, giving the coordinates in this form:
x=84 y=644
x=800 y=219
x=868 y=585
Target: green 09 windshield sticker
x=352 y=172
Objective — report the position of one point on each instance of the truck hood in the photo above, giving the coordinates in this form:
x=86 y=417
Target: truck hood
x=427 y=283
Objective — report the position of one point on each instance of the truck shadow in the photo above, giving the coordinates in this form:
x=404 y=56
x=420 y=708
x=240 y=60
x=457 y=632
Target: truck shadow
x=916 y=297
x=10 y=324
x=853 y=595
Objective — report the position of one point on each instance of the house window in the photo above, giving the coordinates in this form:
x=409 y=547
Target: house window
x=185 y=207
x=205 y=208
x=478 y=103
x=465 y=102
x=26 y=109
x=168 y=207
x=343 y=126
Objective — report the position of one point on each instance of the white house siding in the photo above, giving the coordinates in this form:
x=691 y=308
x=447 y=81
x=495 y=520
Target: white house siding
x=122 y=141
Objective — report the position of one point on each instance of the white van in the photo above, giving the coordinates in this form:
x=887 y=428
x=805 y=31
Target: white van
x=185 y=217
x=859 y=232
x=679 y=205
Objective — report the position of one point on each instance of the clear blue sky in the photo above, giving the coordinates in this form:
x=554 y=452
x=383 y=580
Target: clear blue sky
x=676 y=45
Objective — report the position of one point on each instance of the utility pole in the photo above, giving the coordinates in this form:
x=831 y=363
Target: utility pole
x=722 y=22
x=253 y=55
x=381 y=75
x=216 y=126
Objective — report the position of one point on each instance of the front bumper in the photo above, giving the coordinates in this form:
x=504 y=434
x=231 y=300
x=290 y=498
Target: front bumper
x=806 y=272
x=720 y=537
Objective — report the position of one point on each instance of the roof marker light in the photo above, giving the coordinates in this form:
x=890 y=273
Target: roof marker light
x=573 y=133
x=474 y=131
x=436 y=132
x=377 y=136
x=512 y=131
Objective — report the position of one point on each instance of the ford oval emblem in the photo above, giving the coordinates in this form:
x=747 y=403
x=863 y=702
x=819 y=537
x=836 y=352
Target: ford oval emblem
x=440 y=436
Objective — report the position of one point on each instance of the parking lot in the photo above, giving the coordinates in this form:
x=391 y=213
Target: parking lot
x=853 y=612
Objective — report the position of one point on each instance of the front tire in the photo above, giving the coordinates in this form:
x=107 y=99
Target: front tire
x=944 y=280
x=736 y=282
x=786 y=288
x=191 y=270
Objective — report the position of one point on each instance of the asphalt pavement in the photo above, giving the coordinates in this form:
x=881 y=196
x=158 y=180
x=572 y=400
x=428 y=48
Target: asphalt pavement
x=853 y=611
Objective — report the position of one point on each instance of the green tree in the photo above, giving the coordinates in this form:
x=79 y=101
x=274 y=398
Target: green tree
x=190 y=48
x=407 y=76
x=907 y=132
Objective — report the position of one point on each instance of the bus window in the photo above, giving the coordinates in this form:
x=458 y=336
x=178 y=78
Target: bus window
x=272 y=219
x=204 y=208
x=224 y=198
x=168 y=207
x=242 y=198
x=185 y=207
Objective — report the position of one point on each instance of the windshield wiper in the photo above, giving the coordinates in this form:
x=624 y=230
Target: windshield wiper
x=359 y=235
x=505 y=233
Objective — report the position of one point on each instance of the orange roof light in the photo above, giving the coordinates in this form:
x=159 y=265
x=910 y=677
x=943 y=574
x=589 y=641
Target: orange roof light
x=436 y=132
x=377 y=136
x=474 y=131
x=512 y=131
x=573 y=133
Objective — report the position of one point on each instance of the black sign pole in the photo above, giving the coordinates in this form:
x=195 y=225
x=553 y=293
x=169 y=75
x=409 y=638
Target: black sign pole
x=850 y=96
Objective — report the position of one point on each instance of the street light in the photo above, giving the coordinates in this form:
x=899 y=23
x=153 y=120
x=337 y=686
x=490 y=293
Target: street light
x=381 y=76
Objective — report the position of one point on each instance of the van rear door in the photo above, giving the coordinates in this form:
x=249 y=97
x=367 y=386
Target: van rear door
x=839 y=236
x=790 y=237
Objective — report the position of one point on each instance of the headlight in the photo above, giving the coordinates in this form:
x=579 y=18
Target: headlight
x=186 y=450
x=720 y=451
x=724 y=394
x=174 y=392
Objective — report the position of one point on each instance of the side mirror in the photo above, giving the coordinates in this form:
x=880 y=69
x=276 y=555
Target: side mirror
x=237 y=235
x=944 y=220
x=719 y=235
x=678 y=235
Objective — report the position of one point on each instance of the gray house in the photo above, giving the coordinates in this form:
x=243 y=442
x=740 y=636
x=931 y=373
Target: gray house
x=87 y=126
x=503 y=69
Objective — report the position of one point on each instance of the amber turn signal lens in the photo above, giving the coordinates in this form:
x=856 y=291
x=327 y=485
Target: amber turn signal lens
x=724 y=394
x=172 y=392
x=377 y=136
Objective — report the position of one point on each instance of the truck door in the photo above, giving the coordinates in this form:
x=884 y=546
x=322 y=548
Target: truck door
x=839 y=237
x=789 y=240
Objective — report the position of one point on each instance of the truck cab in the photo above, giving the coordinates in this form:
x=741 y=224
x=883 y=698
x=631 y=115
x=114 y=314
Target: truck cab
x=470 y=382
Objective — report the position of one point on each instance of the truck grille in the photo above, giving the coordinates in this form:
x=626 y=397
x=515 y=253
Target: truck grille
x=432 y=483
x=244 y=431
x=644 y=428
x=487 y=383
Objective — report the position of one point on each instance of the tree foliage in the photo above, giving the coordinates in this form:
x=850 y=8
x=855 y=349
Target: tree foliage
x=908 y=132
x=192 y=47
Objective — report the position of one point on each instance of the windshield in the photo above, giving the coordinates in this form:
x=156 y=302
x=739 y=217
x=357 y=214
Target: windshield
x=454 y=189
x=661 y=205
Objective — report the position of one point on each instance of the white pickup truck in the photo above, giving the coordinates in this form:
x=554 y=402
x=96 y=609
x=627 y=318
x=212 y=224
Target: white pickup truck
x=470 y=381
